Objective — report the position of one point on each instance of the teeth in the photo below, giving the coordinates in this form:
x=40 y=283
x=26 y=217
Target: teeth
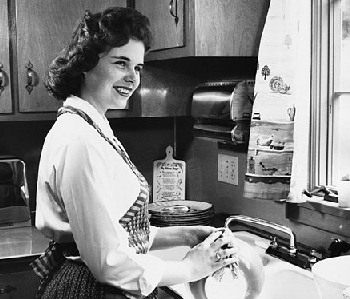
x=122 y=90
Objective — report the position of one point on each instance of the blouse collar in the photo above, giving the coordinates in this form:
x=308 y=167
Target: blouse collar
x=100 y=120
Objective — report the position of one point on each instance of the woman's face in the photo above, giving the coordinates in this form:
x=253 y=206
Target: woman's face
x=113 y=80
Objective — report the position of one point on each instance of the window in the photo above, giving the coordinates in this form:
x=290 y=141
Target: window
x=330 y=77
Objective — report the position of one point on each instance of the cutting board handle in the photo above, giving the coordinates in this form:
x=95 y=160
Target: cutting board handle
x=169 y=152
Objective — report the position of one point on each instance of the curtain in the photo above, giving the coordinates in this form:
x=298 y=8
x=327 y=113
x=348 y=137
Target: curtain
x=277 y=157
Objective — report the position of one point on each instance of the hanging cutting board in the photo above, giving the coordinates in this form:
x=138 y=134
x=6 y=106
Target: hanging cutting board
x=169 y=177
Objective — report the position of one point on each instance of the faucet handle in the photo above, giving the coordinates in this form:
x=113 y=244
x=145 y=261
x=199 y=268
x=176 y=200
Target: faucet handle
x=337 y=247
x=314 y=256
x=273 y=241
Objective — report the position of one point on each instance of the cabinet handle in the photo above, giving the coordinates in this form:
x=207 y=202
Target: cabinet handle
x=32 y=77
x=173 y=10
x=7 y=289
x=2 y=79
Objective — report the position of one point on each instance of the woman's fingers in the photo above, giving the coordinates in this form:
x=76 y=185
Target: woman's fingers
x=228 y=261
x=226 y=253
x=223 y=242
x=229 y=252
x=211 y=238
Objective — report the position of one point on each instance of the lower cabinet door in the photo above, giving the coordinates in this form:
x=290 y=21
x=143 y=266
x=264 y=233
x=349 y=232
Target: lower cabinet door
x=19 y=285
x=17 y=279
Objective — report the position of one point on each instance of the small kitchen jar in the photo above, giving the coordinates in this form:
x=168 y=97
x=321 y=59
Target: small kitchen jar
x=344 y=193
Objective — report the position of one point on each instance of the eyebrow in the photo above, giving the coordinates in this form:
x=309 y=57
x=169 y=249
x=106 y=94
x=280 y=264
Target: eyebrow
x=124 y=58
x=121 y=57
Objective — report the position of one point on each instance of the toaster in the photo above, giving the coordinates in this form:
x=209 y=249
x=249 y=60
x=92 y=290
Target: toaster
x=14 y=195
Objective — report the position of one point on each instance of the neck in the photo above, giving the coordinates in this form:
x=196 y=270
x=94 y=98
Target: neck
x=91 y=100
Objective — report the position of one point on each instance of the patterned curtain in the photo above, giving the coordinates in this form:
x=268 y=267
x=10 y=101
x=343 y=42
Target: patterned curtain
x=278 y=146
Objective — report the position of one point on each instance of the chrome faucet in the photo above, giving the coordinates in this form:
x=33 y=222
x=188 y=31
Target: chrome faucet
x=278 y=227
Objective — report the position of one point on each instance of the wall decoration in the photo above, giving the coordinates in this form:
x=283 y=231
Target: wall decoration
x=169 y=176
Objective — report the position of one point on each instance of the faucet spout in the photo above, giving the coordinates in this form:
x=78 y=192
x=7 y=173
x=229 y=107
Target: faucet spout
x=262 y=222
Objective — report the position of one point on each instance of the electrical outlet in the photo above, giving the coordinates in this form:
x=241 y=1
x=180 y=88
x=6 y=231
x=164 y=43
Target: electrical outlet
x=228 y=169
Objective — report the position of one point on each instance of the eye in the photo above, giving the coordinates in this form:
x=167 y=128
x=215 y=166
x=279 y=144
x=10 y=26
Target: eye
x=139 y=68
x=120 y=63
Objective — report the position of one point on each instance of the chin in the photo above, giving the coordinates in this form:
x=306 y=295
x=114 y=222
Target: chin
x=120 y=104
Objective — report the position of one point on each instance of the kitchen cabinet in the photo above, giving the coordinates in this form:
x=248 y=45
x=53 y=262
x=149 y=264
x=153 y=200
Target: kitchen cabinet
x=32 y=33
x=17 y=279
x=205 y=27
x=167 y=22
x=5 y=83
x=43 y=28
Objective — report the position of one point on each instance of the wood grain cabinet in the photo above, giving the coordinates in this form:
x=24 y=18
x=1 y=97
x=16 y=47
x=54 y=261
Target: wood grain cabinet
x=43 y=29
x=5 y=83
x=184 y=28
x=32 y=33
x=167 y=22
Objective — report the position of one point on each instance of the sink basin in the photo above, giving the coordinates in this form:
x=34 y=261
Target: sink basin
x=284 y=283
x=293 y=283
x=282 y=279
x=332 y=276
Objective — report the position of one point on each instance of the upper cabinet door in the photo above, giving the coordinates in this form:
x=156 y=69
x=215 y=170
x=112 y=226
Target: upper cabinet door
x=43 y=29
x=5 y=90
x=167 y=22
x=228 y=27
x=208 y=28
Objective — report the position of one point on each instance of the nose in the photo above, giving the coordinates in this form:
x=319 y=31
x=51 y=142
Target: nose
x=131 y=76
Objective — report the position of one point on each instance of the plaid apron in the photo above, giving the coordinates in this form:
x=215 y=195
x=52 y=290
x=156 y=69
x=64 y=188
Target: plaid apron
x=63 y=278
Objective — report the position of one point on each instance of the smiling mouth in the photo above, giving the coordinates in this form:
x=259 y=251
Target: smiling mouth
x=123 y=91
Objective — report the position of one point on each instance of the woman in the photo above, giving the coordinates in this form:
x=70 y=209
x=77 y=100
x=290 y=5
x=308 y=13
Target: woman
x=91 y=199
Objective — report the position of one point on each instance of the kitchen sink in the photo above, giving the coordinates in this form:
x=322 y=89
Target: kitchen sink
x=282 y=279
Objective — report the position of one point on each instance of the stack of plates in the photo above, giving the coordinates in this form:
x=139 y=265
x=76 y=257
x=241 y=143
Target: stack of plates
x=180 y=212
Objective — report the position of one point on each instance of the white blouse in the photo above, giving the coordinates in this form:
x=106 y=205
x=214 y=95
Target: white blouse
x=84 y=188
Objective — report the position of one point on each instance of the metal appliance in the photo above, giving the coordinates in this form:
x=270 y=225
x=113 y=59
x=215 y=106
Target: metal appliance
x=221 y=113
x=14 y=196
x=223 y=109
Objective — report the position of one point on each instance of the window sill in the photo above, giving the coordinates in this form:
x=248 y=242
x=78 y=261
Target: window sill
x=321 y=214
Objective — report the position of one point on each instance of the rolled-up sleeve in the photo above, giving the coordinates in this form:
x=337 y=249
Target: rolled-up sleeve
x=97 y=187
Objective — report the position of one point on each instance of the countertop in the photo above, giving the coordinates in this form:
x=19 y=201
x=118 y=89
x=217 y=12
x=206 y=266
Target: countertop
x=18 y=242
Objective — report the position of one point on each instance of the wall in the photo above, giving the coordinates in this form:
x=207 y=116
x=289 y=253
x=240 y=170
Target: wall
x=203 y=185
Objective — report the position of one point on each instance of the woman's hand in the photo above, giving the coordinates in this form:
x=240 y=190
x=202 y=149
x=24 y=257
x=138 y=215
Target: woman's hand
x=197 y=234
x=212 y=254
x=244 y=256
x=249 y=262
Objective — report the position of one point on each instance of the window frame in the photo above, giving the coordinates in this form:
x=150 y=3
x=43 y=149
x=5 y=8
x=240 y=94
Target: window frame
x=321 y=116
x=323 y=215
x=337 y=27
x=325 y=92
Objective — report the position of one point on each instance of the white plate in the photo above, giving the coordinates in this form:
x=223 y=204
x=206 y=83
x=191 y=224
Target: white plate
x=181 y=207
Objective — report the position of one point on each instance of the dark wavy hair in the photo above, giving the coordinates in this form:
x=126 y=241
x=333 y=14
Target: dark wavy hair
x=95 y=34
